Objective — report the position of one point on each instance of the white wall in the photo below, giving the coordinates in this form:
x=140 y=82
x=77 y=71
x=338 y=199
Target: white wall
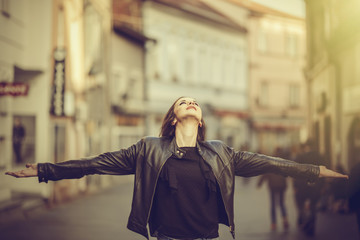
x=26 y=43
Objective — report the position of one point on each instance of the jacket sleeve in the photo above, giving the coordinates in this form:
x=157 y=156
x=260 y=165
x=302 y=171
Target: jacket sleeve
x=250 y=164
x=120 y=162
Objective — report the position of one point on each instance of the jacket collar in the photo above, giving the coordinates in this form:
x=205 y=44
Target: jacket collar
x=178 y=152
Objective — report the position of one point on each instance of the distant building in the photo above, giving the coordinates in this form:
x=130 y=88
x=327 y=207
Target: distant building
x=277 y=86
x=54 y=78
x=127 y=83
x=25 y=72
x=200 y=53
x=277 y=89
x=333 y=77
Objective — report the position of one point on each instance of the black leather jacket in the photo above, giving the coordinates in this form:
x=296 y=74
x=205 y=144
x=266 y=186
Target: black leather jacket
x=146 y=158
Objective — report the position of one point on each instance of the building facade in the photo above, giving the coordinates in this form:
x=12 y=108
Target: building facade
x=333 y=77
x=128 y=83
x=25 y=70
x=202 y=54
x=277 y=84
x=55 y=80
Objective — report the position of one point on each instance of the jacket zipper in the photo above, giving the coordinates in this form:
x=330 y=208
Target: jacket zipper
x=227 y=212
x=153 y=194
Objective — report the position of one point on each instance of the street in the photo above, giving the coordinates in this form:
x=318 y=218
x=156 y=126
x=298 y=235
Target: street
x=103 y=215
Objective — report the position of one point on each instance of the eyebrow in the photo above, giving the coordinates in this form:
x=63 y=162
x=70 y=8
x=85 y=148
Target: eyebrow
x=185 y=101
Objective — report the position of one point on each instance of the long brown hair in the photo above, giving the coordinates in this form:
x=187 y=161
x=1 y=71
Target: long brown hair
x=168 y=129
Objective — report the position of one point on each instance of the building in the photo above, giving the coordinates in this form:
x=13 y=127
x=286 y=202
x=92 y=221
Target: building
x=277 y=92
x=333 y=78
x=277 y=84
x=128 y=83
x=25 y=71
x=54 y=74
x=201 y=53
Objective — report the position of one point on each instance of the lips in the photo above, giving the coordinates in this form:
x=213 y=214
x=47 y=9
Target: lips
x=191 y=107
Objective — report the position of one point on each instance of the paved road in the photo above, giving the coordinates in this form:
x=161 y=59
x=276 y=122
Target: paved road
x=103 y=216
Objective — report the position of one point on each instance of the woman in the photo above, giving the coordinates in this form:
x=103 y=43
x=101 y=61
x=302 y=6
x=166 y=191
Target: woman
x=184 y=186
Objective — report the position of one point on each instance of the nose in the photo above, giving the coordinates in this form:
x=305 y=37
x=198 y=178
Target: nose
x=191 y=103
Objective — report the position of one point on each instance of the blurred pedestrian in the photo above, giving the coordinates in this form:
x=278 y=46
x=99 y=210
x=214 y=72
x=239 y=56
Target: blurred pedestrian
x=18 y=138
x=277 y=188
x=354 y=192
x=339 y=192
x=184 y=185
x=307 y=195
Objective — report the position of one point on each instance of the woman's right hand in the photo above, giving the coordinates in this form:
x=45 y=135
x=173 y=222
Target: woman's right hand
x=29 y=171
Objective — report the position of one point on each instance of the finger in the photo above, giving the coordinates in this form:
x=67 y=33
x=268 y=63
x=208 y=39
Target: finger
x=339 y=175
x=343 y=176
x=29 y=165
x=17 y=174
x=11 y=174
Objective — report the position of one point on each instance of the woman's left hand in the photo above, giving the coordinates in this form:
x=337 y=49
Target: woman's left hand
x=324 y=172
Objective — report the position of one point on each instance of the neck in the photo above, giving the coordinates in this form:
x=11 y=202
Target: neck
x=186 y=134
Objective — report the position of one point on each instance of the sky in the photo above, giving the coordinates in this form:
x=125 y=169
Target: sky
x=294 y=7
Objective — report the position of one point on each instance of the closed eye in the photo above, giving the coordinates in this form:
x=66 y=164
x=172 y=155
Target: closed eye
x=182 y=103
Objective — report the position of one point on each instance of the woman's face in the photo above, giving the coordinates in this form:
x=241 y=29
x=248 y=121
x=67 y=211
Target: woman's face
x=187 y=107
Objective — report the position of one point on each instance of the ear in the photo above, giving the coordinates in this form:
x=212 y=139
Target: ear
x=200 y=124
x=174 y=122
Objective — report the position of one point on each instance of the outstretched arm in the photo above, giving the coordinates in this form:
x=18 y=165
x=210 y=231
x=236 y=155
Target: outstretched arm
x=29 y=171
x=253 y=164
x=122 y=162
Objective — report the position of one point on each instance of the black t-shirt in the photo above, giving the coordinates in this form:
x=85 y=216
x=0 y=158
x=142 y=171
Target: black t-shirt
x=185 y=203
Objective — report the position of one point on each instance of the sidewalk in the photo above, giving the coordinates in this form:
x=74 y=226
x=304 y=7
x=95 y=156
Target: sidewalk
x=254 y=220
x=336 y=226
x=20 y=206
x=103 y=215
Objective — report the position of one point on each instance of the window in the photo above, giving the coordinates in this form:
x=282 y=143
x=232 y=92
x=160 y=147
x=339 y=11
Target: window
x=227 y=70
x=262 y=42
x=264 y=94
x=294 y=96
x=136 y=86
x=216 y=68
x=189 y=64
x=202 y=63
x=291 y=45
x=240 y=69
x=172 y=51
x=118 y=83
x=190 y=53
x=164 y=59
x=153 y=62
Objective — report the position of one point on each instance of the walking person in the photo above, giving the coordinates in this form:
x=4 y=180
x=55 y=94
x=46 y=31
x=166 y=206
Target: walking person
x=354 y=193
x=18 y=139
x=307 y=195
x=184 y=185
x=277 y=188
